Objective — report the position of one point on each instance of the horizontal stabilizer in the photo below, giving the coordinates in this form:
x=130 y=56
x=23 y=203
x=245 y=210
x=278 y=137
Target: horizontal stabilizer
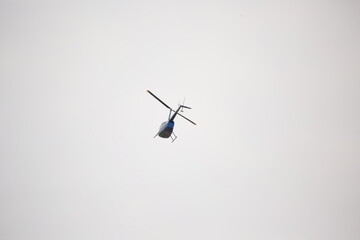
x=185 y=107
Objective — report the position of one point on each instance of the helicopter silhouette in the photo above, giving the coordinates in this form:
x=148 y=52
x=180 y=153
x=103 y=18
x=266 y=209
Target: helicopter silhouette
x=166 y=129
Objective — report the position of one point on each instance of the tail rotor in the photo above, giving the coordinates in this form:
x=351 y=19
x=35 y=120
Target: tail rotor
x=183 y=105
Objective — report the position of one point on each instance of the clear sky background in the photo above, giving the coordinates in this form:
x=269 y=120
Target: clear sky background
x=274 y=87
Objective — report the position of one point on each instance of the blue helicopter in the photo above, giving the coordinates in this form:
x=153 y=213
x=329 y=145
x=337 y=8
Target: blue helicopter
x=167 y=128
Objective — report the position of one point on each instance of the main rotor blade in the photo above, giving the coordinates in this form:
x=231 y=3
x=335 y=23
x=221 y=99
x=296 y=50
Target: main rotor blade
x=158 y=99
x=185 y=118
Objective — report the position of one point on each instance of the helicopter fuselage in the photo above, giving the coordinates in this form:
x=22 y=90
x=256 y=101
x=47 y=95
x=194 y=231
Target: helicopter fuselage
x=166 y=129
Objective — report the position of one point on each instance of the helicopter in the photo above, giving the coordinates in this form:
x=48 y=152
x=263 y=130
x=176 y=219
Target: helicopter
x=167 y=128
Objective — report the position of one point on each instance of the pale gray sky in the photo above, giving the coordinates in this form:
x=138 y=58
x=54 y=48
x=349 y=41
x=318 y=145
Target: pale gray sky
x=274 y=87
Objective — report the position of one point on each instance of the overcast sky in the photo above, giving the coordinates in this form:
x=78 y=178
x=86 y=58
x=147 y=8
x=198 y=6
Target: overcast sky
x=274 y=87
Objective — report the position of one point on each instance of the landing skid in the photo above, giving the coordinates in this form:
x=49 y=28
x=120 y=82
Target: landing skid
x=173 y=138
